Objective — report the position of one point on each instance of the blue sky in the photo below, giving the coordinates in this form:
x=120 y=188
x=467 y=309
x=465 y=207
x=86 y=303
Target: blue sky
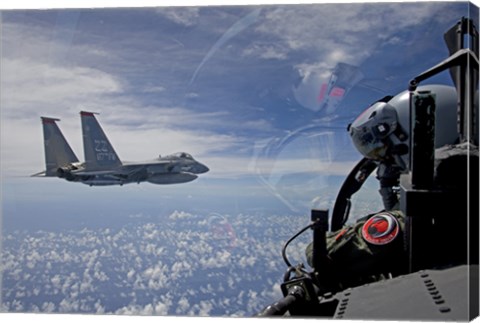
x=237 y=87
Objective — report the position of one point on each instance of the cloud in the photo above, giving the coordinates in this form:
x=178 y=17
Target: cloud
x=178 y=215
x=156 y=277
x=204 y=308
x=265 y=51
x=321 y=36
x=154 y=89
x=183 y=305
x=158 y=308
x=48 y=307
x=69 y=306
x=35 y=80
x=34 y=89
x=76 y=285
x=31 y=87
x=181 y=269
x=247 y=261
x=192 y=95
x=352 y=31
x=219 y=260
x=184 y=16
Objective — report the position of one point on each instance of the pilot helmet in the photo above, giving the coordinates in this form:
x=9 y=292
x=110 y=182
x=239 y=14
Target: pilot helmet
x=382 y=131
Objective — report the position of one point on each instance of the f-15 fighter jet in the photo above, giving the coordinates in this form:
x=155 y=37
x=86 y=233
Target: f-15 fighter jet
x=102 y=165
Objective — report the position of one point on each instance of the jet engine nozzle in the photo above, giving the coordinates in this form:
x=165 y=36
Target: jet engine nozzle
x=66 y=172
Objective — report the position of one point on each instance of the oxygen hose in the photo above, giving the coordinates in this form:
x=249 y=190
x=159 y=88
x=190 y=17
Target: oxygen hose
x=284 y=249
x=295 y=293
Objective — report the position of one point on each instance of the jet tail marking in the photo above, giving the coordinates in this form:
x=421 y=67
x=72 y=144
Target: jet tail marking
x=58 y=152
x=99 y=153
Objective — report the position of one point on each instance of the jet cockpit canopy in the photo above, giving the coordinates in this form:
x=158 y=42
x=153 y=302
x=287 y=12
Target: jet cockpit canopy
x=182 y=155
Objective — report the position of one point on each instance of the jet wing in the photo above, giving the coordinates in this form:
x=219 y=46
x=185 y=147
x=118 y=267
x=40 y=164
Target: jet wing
x=127 y=169
x=95 y=172
x=431 y=295
x=39 y=174
x=147 y=163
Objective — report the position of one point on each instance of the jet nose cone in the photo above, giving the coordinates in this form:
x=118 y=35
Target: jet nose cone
x=201 y=168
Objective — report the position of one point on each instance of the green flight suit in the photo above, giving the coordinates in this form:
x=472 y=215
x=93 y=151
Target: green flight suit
x=367 y=251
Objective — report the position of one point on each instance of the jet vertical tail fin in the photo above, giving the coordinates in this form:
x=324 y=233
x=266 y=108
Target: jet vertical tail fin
x=99 y=153
x=58 y=152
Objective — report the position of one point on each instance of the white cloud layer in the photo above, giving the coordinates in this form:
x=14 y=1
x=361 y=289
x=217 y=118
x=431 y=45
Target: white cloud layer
x=199 y=272
x=311 y=28
x=182 y=16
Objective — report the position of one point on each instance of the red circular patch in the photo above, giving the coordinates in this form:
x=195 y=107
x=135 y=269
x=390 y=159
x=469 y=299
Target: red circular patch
x=380 y=229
